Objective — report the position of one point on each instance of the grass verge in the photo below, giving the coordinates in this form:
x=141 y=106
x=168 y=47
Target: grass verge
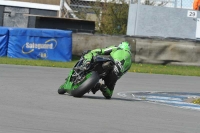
x=136 y=68
x=45 y=63
x=196 y=101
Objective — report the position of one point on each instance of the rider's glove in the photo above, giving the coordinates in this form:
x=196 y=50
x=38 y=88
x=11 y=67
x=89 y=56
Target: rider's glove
x=87 y=59
x=86 y=63
x=85 y=52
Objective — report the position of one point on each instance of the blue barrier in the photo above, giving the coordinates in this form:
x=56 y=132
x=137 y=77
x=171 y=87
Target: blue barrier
x=3 y=41
x=47 y=44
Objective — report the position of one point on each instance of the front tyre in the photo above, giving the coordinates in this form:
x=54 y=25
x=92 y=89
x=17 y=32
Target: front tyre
x=61 y=91
x=86 y=86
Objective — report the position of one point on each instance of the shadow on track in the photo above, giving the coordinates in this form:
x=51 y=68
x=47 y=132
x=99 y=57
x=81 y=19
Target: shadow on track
x=113 y=98
x=101 y=98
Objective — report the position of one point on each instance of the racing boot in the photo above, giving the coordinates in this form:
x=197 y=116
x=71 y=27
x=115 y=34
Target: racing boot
x=107 y=93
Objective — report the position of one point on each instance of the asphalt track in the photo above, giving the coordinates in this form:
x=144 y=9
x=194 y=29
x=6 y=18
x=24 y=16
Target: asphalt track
x=29 y=103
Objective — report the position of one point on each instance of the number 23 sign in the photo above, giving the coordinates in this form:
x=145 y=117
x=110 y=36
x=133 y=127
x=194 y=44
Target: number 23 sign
x=192 y=14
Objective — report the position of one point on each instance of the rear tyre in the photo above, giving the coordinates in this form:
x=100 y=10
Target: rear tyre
x=86 y=86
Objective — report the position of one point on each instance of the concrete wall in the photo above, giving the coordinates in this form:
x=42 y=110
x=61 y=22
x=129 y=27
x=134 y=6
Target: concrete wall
x=145 y=50
x=82 y=42
x=13 y=17
x=167 y=51
x=21 y=17
x=144 y=20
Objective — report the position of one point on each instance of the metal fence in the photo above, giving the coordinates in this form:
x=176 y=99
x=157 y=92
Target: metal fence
x=84 y=10
x=185 y=4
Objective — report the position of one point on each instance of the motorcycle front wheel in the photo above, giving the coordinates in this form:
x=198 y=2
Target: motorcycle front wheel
x=61 y=90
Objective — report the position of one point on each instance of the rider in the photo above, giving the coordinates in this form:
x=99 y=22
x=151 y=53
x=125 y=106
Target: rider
x=122 y=57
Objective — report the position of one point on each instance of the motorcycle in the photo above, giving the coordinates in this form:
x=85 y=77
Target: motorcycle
x=83 y=77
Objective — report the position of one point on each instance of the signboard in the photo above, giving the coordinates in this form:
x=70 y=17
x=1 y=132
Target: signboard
x=192 y=14
x=3 y=41
x=44 y=44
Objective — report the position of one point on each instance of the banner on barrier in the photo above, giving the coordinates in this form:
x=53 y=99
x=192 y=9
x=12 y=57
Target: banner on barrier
x=45 y=44
x=3 y=41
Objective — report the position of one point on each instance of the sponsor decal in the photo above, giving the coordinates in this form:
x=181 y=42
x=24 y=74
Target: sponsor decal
x=119 y=64
x=30 y=47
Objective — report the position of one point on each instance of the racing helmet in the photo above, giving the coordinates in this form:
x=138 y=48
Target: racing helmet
x=125 y=46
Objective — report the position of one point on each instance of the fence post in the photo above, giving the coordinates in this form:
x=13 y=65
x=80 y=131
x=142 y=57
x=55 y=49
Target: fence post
x=61 y=8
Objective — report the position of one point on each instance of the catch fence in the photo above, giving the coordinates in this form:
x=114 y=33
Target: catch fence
x=83 y=8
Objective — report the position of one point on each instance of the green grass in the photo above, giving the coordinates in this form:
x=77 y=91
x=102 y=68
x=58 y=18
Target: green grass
x=166 y=69
x=196 y=101
x=45 y=63
x=136 y=68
